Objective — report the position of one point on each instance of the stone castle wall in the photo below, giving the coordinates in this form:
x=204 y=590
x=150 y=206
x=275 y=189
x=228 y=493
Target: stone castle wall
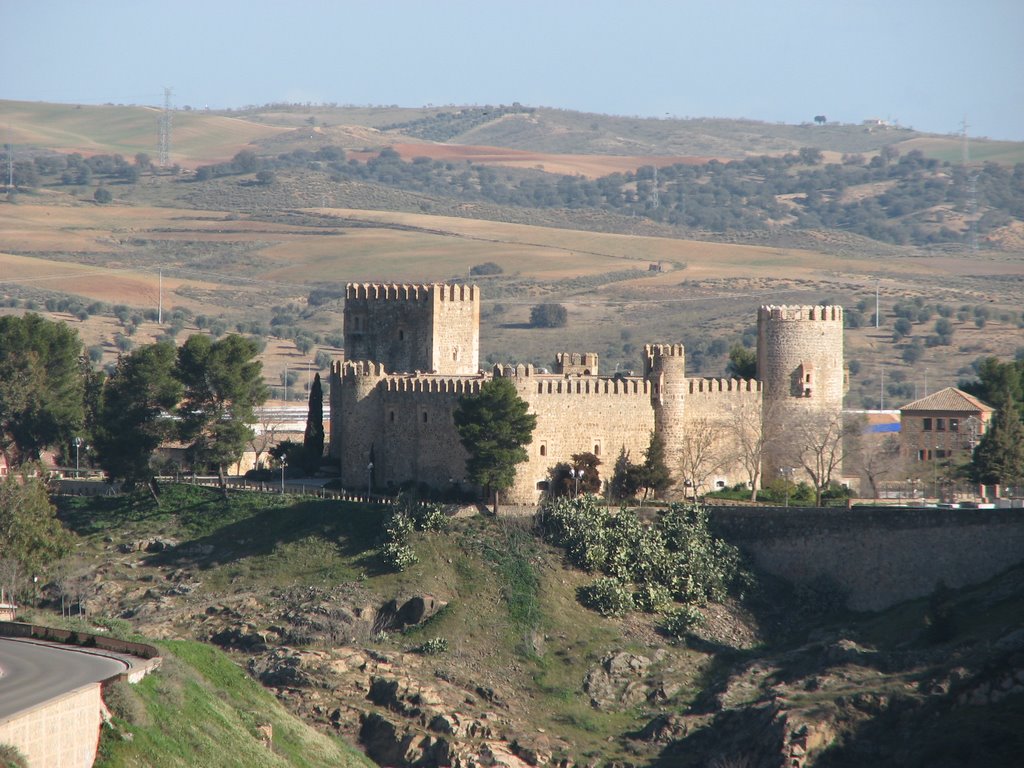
x=580 y=415
x=879 y=556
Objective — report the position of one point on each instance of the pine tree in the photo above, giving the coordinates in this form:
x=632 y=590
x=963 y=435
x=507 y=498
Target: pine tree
x=313 y=440
x=494 y=426
x=999 y=457
x=655 y=475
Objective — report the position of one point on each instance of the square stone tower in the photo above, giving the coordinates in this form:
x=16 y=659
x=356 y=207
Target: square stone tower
x=431 y=328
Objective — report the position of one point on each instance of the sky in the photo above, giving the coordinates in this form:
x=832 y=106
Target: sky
x=925 y=64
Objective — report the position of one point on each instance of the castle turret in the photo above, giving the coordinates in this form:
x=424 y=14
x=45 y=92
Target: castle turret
x=359 y=420
x=665 y=369
x=800 y=364
x=431 y=328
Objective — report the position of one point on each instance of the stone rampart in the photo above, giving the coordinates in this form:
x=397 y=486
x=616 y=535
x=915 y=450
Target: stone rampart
x=879 y=556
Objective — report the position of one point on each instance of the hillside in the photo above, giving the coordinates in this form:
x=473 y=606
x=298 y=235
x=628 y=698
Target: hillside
x=517 y=670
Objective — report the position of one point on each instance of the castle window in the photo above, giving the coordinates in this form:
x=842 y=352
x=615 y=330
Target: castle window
x=597 y=449
x=391 y=417
x=927 y=425
x=401 y=335
x=424 y=417
x=543 y=449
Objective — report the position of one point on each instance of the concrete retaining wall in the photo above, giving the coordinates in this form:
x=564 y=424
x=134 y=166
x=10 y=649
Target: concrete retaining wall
x=60 y=733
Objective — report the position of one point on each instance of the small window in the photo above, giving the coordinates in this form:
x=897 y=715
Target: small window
x=543 y=449
x=922 y=455
x=927 y=427
x=954 y=425
x=597 y=449
x=807 y=378
x=425 y=417
x=401 y=335
x=940 y=425
x=391 y=417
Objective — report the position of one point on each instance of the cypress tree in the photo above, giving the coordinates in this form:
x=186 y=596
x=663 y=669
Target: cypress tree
x=313 y=439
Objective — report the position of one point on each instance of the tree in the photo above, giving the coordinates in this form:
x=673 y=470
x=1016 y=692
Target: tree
x=313 y=439
x=102 y=195
x=485 y=269
x=581 y=474
x=625 y=478
x=548 y=316
x=999 y=457
x=878 y=459
x=654 y=475
x=816 y=443
x=245 y=161
x=755 y=434
x=265 y=177
x=41 y=386
x=135 y=413
x=820 y=119
x=494 y=426
x=223 y=386
x=742 y=362
x=31 y=537
x=700 y=455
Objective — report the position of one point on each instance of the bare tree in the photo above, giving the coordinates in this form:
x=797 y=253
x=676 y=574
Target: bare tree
x=817 y=444
x=265 y=434
x=700 y=454
x=878 y=460
x=754 y=434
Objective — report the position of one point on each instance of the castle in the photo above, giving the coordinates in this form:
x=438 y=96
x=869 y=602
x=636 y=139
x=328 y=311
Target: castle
x=411 y=351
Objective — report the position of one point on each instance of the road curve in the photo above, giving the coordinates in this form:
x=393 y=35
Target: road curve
x=32 y=672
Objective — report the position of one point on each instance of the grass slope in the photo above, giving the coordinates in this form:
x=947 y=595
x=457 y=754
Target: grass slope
x=201 y=709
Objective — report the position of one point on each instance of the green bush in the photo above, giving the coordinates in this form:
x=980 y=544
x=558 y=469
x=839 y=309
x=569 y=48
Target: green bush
x=679 y=622
x=607 y=596
x=433 y=646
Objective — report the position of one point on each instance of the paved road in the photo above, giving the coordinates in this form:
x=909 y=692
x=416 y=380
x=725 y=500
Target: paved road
x=33 y=672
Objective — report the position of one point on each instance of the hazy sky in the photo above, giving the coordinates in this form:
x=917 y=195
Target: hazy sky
x=925 y=63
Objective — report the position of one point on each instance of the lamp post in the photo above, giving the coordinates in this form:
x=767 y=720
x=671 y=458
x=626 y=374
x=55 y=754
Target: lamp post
x=935 y=473
x=284 y=463
x=786 y=473
x=369 y=480
x=78 y=444
x=575 y=475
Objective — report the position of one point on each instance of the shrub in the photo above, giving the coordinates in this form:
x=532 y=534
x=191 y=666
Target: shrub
x=651 y=597
x=396 y=551
x=102 y=195
x=485 y=269
x=548 y=316
x=433 y=646
x=678 y=622
x=607 y=596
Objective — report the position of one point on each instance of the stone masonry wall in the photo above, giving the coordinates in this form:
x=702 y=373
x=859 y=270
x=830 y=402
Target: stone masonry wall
x=576 y=415
x=880 y=556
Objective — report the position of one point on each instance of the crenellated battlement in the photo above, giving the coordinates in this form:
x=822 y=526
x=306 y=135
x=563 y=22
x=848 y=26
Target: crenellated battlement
x=786 y=312
x=410 y=292
x=350 y=369
x=652 y=351
x=718 y=386
x=457 y=385
x=592 y=386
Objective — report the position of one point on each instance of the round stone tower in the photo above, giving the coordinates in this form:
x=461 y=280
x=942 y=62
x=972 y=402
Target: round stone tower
x=665 y=369
x=800 y=365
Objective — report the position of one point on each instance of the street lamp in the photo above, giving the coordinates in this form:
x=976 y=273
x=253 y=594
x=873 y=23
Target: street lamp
x=575 y=475
x=786 y=473
x=78 y=444
x=369 y=480
x=284 y=463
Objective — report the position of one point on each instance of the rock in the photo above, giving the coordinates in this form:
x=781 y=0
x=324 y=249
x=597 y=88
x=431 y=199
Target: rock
x=392 y=617
x=663 y=729
x=617 y=681
x=287 y=668
x=160 y=545
x=234 y=637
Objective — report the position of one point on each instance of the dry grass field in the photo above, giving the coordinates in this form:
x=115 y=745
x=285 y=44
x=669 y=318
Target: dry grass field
x=237 y=267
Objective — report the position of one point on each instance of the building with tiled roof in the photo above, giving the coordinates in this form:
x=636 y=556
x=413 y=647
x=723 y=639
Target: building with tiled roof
x=944 y=426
